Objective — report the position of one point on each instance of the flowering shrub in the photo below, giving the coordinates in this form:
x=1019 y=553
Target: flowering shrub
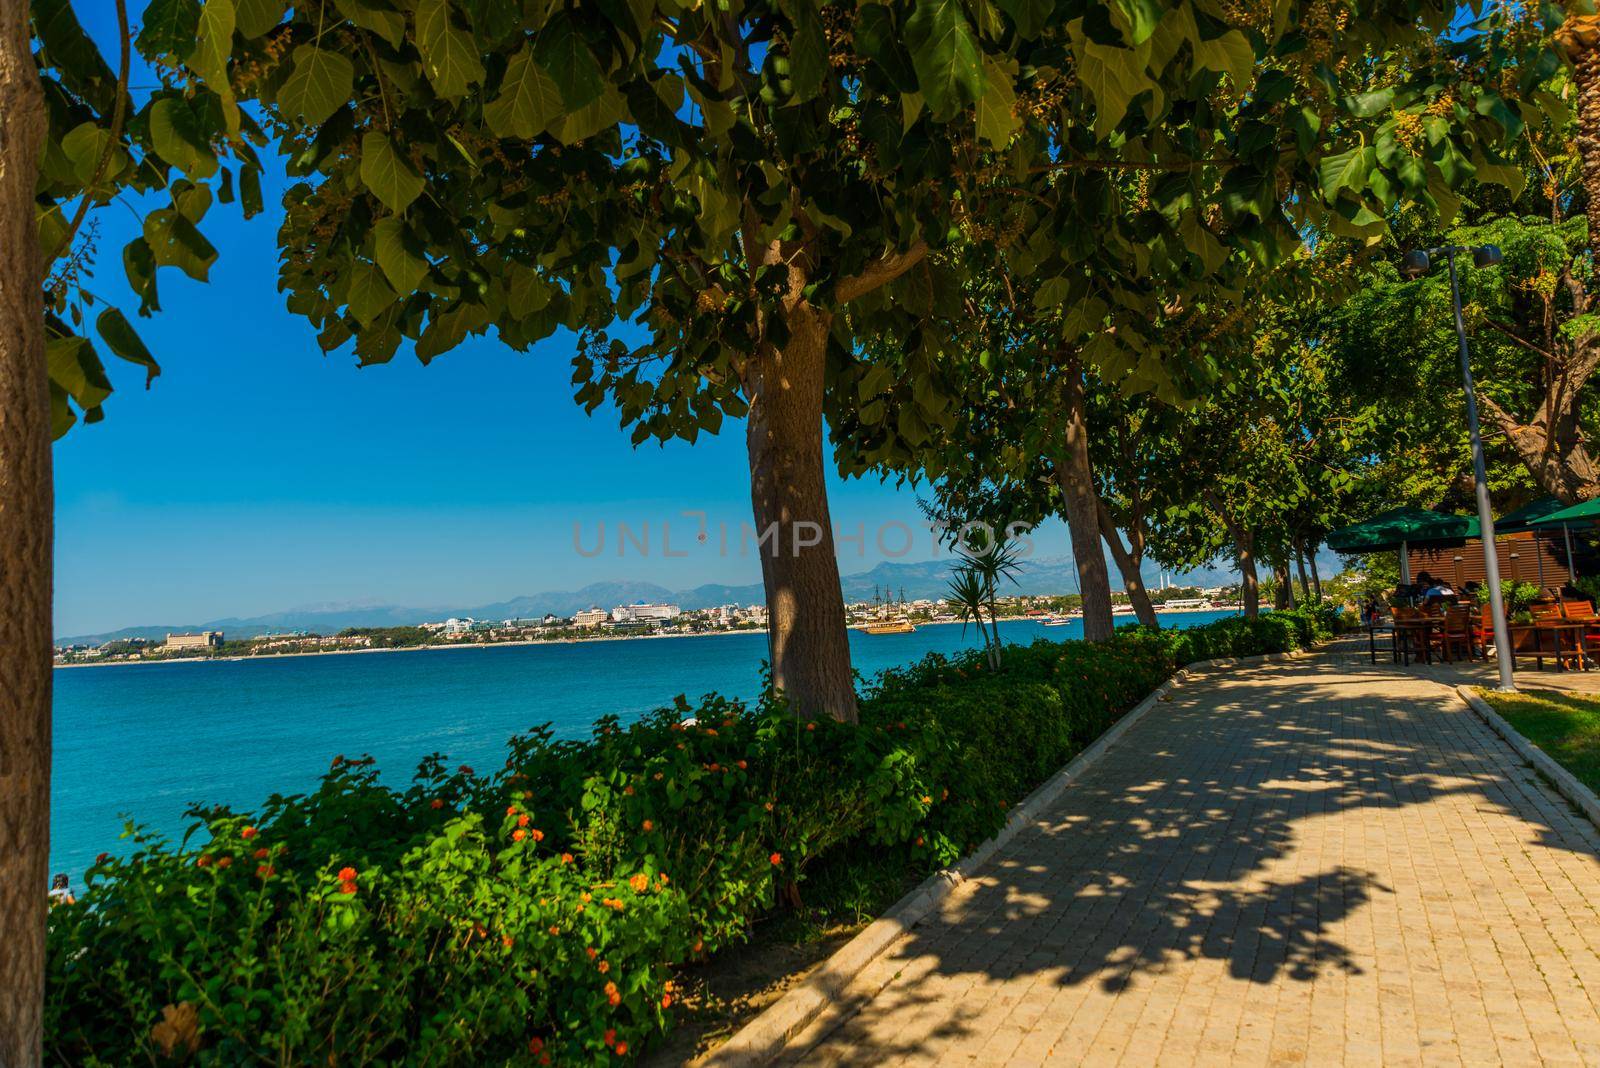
x=534 y=915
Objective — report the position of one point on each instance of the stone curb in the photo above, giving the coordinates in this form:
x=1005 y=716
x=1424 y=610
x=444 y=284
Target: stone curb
x=767 y=1036
x=1563 y=780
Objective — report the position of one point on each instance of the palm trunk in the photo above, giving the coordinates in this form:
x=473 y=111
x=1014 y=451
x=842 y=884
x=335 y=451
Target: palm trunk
x=26 y=538
x=789 y=497
x=1075 y=478
x=1129 y=564
x=1579 y=35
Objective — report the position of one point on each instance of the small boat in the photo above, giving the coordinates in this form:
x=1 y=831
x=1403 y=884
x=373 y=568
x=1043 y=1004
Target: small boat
x=889 y=626
x=1057 y=621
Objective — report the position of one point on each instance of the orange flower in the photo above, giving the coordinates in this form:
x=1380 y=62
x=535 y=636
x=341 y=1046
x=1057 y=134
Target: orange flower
x=627 y=791
x=666 y=1001
x=811 y=726
x=768 y=806
x=264 y=871
x=507 y=941
x=436 y=803
x=225 y=862
x=586 y=896
x=518 y=835
x=535 y=1044
x=667 y=986
x=743 y=765
x=699 y=944
x=347 y=888
x=511 y=810
x=663 y=878
x=523 y=820
x=566 y=858
x=347 y=875
x=538 y=835
x=610 y=1037
x=611 y=988
x=593 y=953
x=554 y=930
x=604 y=966
x=622 y=1049
x=927 y=799
x=527 y=795
x=263 y=853
x=102 y=858
x=248 y=832
x=338 y=760
x=648 y=825
x=776 y=858
x=640 y=883
x=659 y=776
x=918 y=840
x=615 y=999
x=203 y=861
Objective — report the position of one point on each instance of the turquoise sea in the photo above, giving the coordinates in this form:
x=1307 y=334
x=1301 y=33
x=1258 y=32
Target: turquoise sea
x=142 y=741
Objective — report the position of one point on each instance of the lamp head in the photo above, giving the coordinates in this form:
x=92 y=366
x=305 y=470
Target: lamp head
x=1487 y=256
x=1415 y=264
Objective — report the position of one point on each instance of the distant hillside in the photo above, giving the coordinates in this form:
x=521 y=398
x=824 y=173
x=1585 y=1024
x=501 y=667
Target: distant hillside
x=924 y=579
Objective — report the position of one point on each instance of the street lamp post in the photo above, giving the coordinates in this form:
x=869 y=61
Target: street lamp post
x=1416 y=264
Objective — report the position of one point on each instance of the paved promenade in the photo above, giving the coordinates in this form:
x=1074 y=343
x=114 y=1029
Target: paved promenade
x=1315 y=862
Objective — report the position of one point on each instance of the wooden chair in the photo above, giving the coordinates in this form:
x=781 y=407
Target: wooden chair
x=1458 y=632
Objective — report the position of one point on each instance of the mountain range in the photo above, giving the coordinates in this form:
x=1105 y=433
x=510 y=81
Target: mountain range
x=925 y=579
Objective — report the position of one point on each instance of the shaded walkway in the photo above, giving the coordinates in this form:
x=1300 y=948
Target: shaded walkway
x=1316 y=862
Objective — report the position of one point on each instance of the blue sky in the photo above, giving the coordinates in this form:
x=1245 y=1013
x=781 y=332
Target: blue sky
x=257 y=474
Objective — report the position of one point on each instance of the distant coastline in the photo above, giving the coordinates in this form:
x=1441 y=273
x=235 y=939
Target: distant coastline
x=524 y=642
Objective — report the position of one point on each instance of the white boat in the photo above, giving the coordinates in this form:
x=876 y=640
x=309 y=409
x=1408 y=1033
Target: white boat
x=1057 y=621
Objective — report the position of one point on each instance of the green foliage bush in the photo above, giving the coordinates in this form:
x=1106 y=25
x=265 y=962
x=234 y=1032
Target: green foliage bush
x=534 y=914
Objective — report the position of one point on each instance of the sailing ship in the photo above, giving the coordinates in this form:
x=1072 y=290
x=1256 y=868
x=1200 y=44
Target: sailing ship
x=883 y=623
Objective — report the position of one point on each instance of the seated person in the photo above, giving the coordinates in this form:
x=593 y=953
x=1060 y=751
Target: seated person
x=1434 y=589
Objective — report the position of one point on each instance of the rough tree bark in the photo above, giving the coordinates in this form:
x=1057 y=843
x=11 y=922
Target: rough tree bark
x=1552 y=446
x=1075 y=478
x=25 y=555
x=1283 y=593
x=784 y=385
x=789 y=498
x=1249 y=585
x=1129 y=562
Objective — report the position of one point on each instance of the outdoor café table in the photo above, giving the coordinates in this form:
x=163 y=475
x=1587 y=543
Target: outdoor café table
x=1408 y=631
x=1564 y=632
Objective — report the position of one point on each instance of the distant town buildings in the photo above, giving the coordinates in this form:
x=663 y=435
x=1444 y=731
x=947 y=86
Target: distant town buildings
x=590 y=617
x=640 y=612
x=207 y=639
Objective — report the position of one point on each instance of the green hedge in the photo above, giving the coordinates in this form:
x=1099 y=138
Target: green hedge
x=534 y=914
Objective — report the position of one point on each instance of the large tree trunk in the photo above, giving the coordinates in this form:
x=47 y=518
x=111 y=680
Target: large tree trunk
x=1249 y=585
x=789 y=497
x=1081 y=502
x=25 y=547
x=1283 y=593
x=1129 y=564
x=1558 y=460
x=1316 y=576
x=1300 y=564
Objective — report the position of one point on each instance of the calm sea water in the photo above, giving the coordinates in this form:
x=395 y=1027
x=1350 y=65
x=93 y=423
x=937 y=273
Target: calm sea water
x=142 y=741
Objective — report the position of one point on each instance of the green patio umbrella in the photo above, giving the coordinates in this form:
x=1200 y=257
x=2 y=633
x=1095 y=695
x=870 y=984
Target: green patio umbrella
x=1529 y=516
x=1399 y=528
x=1587 y=512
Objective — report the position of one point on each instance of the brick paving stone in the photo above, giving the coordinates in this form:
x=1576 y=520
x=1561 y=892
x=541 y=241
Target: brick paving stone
x=1320 y=862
